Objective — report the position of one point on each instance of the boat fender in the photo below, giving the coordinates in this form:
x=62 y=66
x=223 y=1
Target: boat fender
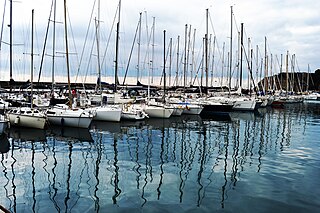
x=62 y=121
x=17 y=120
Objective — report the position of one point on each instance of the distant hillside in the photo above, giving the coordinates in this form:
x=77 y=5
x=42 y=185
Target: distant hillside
x=297 y=81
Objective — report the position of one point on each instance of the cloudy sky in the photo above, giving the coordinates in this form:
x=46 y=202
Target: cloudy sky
x=288 y=25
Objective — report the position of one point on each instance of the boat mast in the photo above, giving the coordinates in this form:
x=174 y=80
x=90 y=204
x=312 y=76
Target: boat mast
x=206 y=51
x=230 y=54
x=170 y=61
x=164 y=66
x=67 y=50
x=152 y=51
x=139 y=46
x=287 y=74
x=177 y=67
x=31 y=78
x=307 y=89
x=193 y=67
x=11 y=79
x=185 y=57
x=212 y=64
x=53 y=44
x=265 y=66
x=241 y=55
x=117 y=51
x=97 y=22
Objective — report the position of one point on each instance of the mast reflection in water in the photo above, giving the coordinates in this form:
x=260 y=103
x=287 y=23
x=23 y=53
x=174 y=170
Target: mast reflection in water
x=256 y=161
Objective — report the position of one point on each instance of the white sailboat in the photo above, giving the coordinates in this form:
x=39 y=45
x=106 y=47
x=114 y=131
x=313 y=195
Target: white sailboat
x=28 y=116
x=62 y=115
x=156 y=109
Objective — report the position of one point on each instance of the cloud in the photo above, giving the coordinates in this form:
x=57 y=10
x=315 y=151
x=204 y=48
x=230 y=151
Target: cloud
x=288 y=25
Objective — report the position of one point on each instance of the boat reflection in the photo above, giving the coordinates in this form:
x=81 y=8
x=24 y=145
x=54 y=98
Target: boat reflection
x=181 y=161
x=70 y=133
x=26 y=134
x=4 y=144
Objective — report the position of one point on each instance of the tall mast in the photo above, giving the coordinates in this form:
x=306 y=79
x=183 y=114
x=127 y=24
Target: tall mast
x=212 y=65
x=241 y=55
x=11 y=79
x=206 y=50
x=97 y=22
x=230 y=53
x=249 y=62
x=139 y=45
x=281 y=59
x=53 y=44
x=170 y=61
x=265 y=66
x=287 y=74
x=193 y=57
x=164 y=66
x=308 y=78
x=257 y=67
x=67 y=50
x=117 y=51
x=223 y=58
x=185 y=57
x=31 y=66
x=177 y=70
x=188 y=54
x=152 y=54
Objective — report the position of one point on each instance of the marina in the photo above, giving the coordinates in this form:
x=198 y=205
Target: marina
x=105 y=107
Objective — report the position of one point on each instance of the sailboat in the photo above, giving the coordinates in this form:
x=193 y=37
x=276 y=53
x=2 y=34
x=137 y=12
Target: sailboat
x=104 y=112
x=153 y=108
x=62 y=114
x=241 y=102
x=28 y=116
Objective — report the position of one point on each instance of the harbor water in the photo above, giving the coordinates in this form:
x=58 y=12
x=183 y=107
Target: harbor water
x=267 y=161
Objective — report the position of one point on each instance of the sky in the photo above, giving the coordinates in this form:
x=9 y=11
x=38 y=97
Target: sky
x=287 y=25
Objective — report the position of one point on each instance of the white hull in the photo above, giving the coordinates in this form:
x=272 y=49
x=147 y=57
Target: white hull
x=177 y=111
x=30 y=121
x=192 y=109
x=70 y=121
x=106 y=113
x=158 y=111
x=312 y=96
x=63 y=116
x=244 y=104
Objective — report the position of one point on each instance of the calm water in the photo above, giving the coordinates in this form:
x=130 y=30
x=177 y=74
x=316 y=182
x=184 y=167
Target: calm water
x=255 y=162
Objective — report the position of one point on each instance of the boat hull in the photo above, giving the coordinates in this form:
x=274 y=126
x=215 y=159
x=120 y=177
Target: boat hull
x=70 y=121
x=192 y=110
x=244 y=105
x=158 y=112
x=36 y=122
x=107 y=114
